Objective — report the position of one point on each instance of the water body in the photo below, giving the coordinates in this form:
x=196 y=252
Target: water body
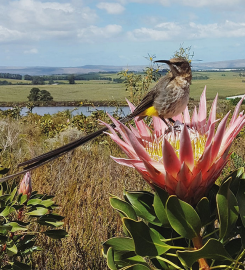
x=122 y=111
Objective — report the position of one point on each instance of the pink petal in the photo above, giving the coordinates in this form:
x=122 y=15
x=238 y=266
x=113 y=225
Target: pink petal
x=210 y=134
x=205 y=161
x=187 y=117
x=128 y=149
x=171 y=183
x=178 y=117
x=157 y=177
x=181 y=191
x=131 y=106
x=219 y=137
x=202 y=112
x=195 y=184
x=139 y=149
x=170 y=160
x=185 y=175
x=194 y=118
x=212 y=114
x=128 y=162
x=234 y=116
x=121 y=128
x=185 y=151
x=159 y=126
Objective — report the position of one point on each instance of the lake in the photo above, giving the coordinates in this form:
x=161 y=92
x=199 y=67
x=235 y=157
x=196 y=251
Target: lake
x=122 y=111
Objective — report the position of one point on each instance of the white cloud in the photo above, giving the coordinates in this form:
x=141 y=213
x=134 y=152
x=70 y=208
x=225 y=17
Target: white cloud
x=31 y=51
x=8 y=35
x=34 y=20
x=93 y=33
x=176 y=31
x=111 y=8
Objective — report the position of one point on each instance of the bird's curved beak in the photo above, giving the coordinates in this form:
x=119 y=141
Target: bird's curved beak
x=162 y=61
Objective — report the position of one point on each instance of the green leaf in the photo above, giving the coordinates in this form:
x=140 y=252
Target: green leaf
x=235 y=176
x=16 y=227
x=4 y=197
x=55 y=224
x=11 y=248
x=13 y=193
x=21 y=266
x=136 y=267
x=241 y=200
x=38 y=212
x=123 y=207
x=160 y=199
x=56 y=234
x=123 y=251
x=120 y=243
x=8 y=210
x=203 y=210
x=110 y=259
x=34 y=202
x=47 y=203
x=51 y=217
x=213 y=249
x=146 y=241
x=23 y=198
x=142 y=203
x=227 y=209
x=183 y=218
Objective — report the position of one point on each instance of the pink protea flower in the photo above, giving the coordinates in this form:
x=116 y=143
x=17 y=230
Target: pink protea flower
x=25 y=185
x=184 y=162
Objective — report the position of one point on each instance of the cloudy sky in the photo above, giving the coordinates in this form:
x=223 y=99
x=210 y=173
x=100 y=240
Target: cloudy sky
x=118 y=32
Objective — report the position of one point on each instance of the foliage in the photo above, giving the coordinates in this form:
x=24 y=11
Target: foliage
x=138 y=84
x=21 y=221
x=39 y=95
x=71 y=79
x=234 y=101
x=159 y=229
x=14 y=112
x=184 y=53
x=37 y=80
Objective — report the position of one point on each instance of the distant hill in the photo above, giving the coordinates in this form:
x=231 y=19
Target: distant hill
x=231 y=64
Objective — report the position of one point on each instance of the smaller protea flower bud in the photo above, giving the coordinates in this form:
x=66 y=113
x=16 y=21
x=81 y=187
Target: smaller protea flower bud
x=25 y=185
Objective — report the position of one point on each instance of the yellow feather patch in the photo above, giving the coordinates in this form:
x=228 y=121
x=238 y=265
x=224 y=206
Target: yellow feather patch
x=151 y=111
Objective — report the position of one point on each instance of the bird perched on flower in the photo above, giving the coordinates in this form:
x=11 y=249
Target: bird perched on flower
x=168 y=98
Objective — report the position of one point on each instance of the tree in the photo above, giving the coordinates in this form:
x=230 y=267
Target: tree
x=71 y=79
x=34 y=94
x=45 y=96
x=37 y=95
x=36 y=80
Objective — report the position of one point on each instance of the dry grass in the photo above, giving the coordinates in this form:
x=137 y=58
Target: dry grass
x=81 y=182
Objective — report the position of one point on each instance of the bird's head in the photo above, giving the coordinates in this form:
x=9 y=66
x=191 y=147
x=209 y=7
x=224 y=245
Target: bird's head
x=178 y=66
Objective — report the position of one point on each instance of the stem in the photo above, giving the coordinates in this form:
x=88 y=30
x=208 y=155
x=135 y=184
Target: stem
x=207 y=235
x=169 y=262
x=197 y=242
x=238 y=258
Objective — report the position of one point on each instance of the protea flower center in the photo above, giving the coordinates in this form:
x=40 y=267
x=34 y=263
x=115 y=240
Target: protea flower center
x=154 y=147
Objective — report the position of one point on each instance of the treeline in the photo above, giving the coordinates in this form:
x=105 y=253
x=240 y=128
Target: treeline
x=77 y=77
x=200 y=77
x=11 y=76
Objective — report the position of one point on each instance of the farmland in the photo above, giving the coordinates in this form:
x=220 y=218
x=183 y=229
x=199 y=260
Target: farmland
x=226 y=83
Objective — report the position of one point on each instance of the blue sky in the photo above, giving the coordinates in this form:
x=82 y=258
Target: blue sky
x=120 y=32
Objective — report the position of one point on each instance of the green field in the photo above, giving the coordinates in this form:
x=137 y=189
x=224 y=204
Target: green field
x=224 y=83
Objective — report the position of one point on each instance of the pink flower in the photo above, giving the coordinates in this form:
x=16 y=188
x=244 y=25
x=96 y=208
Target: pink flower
x=184 y=162
x=25 y=185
